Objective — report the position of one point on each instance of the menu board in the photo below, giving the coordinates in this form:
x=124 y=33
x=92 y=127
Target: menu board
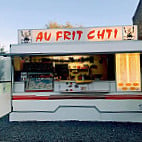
x=128 y=72
x=39 y=83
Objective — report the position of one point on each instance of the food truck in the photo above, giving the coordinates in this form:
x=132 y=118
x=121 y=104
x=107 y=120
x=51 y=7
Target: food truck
x=85 y=74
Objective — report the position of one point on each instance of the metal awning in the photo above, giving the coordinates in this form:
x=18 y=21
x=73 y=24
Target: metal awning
x=77 y=48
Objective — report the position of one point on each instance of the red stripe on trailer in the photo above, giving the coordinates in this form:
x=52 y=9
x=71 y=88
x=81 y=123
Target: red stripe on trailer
x=57 y=97
x=123 y=97
x=29 y=97
x=33 y=97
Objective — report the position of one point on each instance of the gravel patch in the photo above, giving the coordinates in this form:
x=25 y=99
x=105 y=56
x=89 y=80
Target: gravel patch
x=69 y=131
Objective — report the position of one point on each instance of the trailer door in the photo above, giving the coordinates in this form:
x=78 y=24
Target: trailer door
x=5 y=85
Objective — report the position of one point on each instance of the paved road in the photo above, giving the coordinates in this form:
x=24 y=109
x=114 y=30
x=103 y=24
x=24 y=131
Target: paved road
x=70 y=131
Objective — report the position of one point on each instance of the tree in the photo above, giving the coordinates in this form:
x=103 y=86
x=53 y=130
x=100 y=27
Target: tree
x=1 y=68
x=1 y=62
x=53 y=25
x=2 y=48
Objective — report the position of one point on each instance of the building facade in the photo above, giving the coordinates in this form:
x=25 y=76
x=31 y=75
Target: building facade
x=137 y=19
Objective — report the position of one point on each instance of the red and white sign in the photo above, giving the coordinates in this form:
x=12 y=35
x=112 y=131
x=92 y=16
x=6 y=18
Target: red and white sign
x=78 y=34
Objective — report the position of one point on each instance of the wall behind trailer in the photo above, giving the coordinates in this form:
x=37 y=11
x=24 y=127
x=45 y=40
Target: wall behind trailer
x=5 y=85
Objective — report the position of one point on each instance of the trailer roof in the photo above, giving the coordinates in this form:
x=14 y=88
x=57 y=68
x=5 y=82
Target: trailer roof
x=77 y=48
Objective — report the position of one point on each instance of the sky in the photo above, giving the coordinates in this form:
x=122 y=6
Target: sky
x=35 y=14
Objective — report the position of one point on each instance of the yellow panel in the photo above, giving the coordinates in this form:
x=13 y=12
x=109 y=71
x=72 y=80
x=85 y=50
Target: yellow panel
x=128 y=72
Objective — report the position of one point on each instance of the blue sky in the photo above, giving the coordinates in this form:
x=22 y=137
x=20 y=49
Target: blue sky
x=34 y=14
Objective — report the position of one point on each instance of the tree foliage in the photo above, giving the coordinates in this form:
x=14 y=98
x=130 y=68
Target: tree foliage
x=1 y=68
x=1 y=49
x=53 y=25
x=1 y=62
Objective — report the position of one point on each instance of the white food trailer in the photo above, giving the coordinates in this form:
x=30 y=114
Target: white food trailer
x=85 y=74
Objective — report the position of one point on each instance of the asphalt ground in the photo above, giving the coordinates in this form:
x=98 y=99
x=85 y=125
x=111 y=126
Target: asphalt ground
x=69 y=131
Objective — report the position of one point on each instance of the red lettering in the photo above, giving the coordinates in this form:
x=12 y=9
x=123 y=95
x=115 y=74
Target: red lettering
x=47 y=38
x=66 y=34
x=109 y=31
x=39 y=36
x=79 y=34
x=58 y=35
x=89 y=36
x=101 y=34
x=73 y=35
x=115 y=33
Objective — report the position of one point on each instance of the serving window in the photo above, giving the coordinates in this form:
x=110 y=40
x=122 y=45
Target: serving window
x=39 y=72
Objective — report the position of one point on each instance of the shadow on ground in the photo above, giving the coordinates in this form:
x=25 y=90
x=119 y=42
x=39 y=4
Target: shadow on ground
x=69 y=131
